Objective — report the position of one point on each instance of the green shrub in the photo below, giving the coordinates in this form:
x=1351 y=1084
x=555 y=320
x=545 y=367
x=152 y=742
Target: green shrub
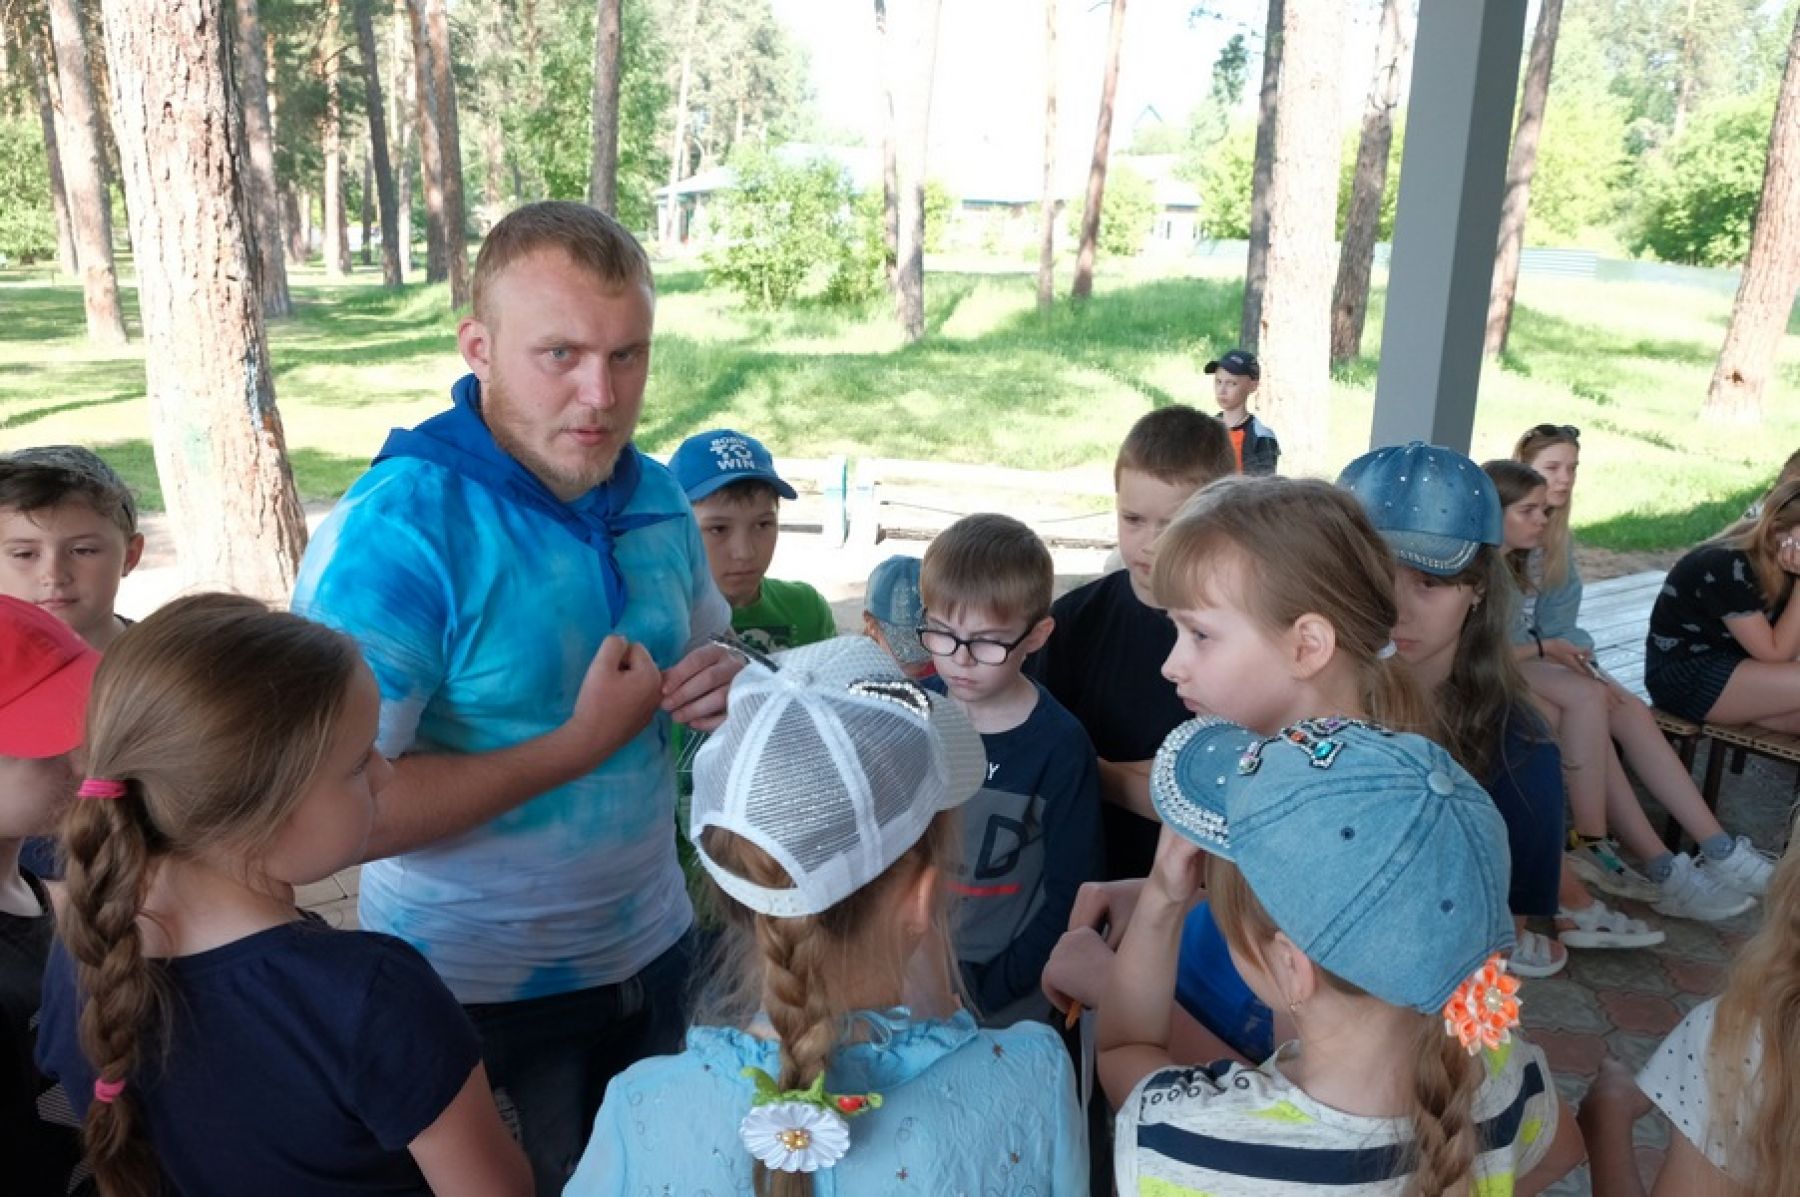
x=1699 y=199
x=27 y=225
x=781 y=225
x=1127 y=213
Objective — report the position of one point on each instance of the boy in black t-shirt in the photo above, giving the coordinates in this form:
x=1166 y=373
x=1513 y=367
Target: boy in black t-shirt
x=1031 y=835
x=1104 y=658
x=45 y=672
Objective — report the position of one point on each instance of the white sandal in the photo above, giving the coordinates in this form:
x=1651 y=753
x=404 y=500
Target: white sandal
x=1534 y=955
x=1600 y=926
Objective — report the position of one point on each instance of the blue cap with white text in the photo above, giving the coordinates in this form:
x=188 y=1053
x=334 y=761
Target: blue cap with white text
x=707 y=461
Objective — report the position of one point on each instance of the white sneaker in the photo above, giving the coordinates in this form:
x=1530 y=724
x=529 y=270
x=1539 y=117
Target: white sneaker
x=1746 y=870
x=1598 y=864
x=1691 y=892
x=1600 y=926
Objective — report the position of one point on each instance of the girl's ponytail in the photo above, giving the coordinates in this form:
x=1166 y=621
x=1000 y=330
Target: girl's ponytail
x=108 y=843
x=1446 y=1079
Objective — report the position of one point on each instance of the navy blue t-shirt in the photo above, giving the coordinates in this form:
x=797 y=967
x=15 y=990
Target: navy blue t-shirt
x=301 y=1060
x=1103 y=663
x=1031 y=838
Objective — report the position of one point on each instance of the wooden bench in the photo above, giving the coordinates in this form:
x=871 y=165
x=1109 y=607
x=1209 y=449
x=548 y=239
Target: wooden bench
x=1616 y=613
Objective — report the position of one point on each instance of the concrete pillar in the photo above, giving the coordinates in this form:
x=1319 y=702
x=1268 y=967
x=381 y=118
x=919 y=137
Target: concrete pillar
x=1465 y=78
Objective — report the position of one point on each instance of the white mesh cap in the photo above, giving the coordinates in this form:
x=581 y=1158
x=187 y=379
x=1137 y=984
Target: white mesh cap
x=834 y=764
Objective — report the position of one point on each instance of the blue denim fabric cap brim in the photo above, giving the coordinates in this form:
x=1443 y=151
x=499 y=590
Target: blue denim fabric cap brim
x=1374 y=852
x=1434 y=506
x=1190 y=775
x=707 y=461
x=903 y=642
x=1442 y=556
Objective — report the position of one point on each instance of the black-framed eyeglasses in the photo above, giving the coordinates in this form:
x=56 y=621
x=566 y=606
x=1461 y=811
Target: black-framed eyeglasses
x=942 y=643
x=1568 y=430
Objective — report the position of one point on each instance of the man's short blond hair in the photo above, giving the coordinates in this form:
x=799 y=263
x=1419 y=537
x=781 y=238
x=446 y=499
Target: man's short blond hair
x=593 y=240
x=991 y=563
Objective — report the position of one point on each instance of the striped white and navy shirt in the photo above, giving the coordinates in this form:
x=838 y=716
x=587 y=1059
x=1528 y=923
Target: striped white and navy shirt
x=1226 y=1130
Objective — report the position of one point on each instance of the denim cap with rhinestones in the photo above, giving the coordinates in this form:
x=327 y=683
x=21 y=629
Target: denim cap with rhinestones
x=1433 y=506
x=893 y=600
x=1373 y=851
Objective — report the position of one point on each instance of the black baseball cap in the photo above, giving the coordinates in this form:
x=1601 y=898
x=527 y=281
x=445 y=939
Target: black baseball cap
x=1238 y=361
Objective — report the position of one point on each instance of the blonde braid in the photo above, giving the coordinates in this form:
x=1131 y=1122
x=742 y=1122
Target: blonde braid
x=108 y=848
x=796 y=956
x=1446 y=1080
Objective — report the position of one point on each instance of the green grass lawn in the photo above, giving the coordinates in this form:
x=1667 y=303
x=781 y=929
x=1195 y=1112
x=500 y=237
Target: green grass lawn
x=994 y=383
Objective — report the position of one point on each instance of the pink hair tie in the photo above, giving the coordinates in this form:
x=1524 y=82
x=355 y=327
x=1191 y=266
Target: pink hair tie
x=95 y=787
x=107 y=1092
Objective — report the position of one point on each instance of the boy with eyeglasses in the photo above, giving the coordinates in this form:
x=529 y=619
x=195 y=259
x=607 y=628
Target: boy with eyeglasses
x=1032 y=835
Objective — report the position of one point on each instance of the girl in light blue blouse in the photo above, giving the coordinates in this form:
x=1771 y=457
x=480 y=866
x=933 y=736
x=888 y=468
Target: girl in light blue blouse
x=823 y=811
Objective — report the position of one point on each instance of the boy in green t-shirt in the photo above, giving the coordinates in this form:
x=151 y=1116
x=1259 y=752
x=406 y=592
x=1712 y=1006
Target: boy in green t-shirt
x=731 y=481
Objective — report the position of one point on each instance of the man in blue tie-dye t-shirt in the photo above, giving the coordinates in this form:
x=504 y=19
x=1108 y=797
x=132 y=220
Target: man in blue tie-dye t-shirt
x=534 y=599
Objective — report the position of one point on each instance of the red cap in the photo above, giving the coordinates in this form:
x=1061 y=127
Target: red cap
x=45 y=673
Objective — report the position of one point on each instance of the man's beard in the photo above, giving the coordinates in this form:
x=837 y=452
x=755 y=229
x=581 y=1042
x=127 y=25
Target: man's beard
x=497 y=409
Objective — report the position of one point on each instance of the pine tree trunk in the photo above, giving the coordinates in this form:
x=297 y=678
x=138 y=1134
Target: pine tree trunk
x=1350 y=298
x=1096 y=187
x=41 y=82
x=431 y=139
x=1765 y=295
x=1519 y=169
x=914 y=135
x=1295 y=332
x=456 y=252
x=337 y=241
x=220 y=452
x=1046 y=275
x=392 y=272
x=670 y=231
x=888 y=47
x=267 y=249
x=603 y=181
x=406 y=102
x=84 y=175
x=1256 y=261
x=367 y=250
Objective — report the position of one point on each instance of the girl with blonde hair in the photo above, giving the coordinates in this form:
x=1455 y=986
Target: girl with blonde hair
x=825 y=811
x=217 y=1039
x=1592 y=712
x=1727 y=1078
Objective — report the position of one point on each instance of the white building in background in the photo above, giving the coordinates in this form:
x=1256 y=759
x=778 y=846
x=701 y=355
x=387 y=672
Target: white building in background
x=994 y=193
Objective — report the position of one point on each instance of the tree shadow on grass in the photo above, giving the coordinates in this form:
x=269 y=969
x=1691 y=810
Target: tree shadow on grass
x=55 y=313
x=1636 y=530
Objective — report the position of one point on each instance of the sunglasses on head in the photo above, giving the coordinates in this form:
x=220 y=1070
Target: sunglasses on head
x=1566 y=430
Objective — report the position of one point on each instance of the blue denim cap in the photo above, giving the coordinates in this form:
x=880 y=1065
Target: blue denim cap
x=708 y=460
x=893 y=599
x=1372 y=850
x=1433 y=506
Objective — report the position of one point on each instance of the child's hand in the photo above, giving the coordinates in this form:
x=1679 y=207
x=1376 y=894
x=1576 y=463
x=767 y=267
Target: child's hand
x=1105 y=907
x=1078 y=969
x=618 y=697
x=1568 y=656
x=1179 y=875
x=1787 y=554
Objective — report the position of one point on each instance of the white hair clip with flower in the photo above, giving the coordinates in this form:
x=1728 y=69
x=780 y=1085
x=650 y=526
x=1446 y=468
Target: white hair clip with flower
x=800 y=1130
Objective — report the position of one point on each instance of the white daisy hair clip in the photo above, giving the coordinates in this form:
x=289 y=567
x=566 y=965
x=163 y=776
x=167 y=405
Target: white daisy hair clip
x=800 y=1130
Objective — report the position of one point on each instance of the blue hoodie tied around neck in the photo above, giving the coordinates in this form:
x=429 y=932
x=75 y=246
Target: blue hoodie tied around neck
x=479 y=600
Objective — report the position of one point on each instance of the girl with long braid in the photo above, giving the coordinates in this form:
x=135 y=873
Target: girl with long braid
x=825 y=810
x=218 y=1040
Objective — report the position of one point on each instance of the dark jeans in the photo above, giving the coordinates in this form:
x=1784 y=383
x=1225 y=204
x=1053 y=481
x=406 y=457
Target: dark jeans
x=549 y=1059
